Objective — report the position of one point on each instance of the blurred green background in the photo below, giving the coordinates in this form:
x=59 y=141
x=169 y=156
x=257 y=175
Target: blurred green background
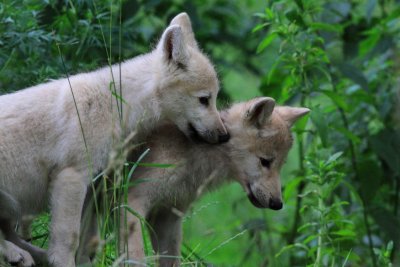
x=341 y=182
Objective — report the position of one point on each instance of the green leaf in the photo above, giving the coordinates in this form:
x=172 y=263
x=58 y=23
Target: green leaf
x=309 y=239
x=308 y=193
x=375 y=126
x=351 y=136
x=307 y=225
x=134 y=166
x=347 y=258
x=370 y=42
x=326 y=27
x=154 y=165
x=291 y=188
x=336 y=98
x=284 y=249
x=334 y=157
x=356 y=93
x=260 y=15
x=320 y=123
x=289 y=247
x=269 y=13
x=345 y=233
x=389 y=246
x=259 y=27
x=266 y=42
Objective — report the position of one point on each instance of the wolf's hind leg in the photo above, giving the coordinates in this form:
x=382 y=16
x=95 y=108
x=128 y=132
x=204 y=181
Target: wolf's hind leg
x=89 y=238
x=131 y=235
x=166 y=236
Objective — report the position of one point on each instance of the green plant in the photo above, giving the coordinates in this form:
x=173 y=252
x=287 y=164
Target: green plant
x=384 y=254
x=337 y=60
x=326 y=234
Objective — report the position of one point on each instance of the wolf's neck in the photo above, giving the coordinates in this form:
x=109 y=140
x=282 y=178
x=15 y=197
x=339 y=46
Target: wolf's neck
x=213 y=166
x=136 y=84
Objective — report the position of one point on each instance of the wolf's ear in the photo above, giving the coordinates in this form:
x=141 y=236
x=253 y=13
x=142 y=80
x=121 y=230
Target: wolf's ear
x=183 y=20
x=260 y=110
x=291 y=114
x=172 y=45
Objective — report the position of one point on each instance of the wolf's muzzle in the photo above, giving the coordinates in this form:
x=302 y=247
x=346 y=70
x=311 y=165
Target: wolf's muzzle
x=253 y=198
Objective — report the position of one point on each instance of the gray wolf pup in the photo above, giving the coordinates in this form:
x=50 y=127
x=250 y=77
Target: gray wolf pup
x=260 y=141
x=49 y=154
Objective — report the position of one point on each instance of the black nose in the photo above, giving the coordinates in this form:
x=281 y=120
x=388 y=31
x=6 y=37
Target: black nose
x=224 y=138
x=275 y=204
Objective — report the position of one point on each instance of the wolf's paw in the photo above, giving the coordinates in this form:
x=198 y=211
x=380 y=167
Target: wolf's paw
x=61 y=260
x=15 y=255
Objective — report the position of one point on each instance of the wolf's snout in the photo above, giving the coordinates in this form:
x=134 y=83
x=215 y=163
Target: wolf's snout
x=275 y=204
x=223 y=138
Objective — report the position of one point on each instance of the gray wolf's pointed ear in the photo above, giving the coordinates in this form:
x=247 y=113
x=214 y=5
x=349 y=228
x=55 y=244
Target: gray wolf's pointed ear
x=183 y=20
x=292 y=114
x=259 y=110
x=172 y=45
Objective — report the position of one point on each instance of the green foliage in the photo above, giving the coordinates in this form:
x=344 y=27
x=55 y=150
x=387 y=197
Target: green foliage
x=339 y=58
x=332 y=233
x=384 y=255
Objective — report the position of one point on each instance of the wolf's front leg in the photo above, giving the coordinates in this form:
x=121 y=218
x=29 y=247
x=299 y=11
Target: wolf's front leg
x=131 y=236
x=167 y=236
x=67 y=198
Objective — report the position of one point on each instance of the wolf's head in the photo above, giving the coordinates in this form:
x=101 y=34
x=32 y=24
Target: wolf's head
x=260 y=141
x=188 y=84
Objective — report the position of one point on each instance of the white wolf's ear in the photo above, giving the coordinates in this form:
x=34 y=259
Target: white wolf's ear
x=172 y=45
x=291 y=114
x=183 y=20
x=260 y=110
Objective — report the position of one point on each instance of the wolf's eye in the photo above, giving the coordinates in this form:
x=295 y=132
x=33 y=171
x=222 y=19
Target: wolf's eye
x=266 y=162
x=204 y=100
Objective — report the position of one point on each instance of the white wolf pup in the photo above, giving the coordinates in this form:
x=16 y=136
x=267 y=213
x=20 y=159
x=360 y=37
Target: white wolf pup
x=49 y=154
x=260 y=141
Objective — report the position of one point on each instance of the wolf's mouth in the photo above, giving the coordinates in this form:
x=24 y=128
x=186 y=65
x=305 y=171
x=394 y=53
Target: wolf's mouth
x=253 y=198
x=194 y=134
